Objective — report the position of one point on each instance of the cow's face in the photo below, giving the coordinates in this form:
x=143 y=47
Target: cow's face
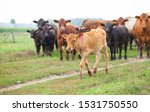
x=71 y=40
x=108 y=29
x=62 y=24
x=144 y=18
x=45 y=30
x=32 y=33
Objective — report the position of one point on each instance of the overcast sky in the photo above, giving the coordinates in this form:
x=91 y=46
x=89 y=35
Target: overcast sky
x=25 y=11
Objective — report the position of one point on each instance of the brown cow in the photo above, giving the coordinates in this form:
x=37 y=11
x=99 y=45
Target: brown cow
x=93 y=24
x=87 y=43
x=141 y=30
x=64 y=29
x=120 y=21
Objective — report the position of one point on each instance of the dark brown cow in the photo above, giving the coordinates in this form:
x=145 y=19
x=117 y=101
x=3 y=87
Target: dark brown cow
x=120 y=21
x=65 y=29
x=141 y=30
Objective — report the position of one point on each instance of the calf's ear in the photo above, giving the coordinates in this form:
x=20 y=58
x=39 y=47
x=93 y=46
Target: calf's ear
x=77 y=28
x=56 y=21
x=68 y=21
x=28 y=31
x=46 y=21
x=102 y=24
x=64 y=36
x=114 y=21
x=40 y=29
x=126 y=20
x=137 y=17
x=35 y=21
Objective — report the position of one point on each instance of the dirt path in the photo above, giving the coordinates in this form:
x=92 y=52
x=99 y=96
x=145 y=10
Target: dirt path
x=72 y=73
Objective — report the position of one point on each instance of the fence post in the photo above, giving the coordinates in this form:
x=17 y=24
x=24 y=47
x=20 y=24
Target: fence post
x=13 y=37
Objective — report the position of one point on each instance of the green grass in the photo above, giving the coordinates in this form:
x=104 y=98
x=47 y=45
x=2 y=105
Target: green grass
x=121 y=80
x=19 y=62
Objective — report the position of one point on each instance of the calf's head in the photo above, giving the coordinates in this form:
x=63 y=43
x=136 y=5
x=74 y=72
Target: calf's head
x=71 y=41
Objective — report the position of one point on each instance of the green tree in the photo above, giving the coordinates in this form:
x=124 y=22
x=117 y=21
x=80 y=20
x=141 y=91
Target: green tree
x=13 y=21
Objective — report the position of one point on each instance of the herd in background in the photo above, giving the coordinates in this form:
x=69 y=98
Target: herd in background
x=119 y=32
x=92 y=36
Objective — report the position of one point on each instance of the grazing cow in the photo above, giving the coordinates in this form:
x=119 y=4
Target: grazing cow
x=64 y=29
x=93 y=24
x=129 y=23
x=35 y=34
x=87 y=43
x=116 y=38
x=141 y=30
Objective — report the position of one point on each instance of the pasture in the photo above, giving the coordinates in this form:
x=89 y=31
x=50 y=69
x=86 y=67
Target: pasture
x=19 y=63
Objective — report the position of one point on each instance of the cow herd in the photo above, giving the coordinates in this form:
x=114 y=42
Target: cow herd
x=92 y=36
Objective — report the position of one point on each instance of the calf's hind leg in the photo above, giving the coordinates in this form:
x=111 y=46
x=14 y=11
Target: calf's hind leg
x=86 y=64
x=98 y=56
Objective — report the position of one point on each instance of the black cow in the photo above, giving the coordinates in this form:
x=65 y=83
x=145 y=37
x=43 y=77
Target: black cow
x=117 y=37
x=35 y=34
x=41 y=22
x=48 y=36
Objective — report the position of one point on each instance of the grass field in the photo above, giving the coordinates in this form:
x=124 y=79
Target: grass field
x=19 y=62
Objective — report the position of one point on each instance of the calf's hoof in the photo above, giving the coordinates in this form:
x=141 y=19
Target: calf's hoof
x=89 y=72
x=95 y=70
x=79 y=78
x=106 y=70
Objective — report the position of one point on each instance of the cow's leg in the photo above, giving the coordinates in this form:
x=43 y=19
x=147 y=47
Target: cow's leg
x=115 y=49
x=38 y=47
x=60 y=48
x=86 y=64
x=148 y=50
x=111 y=52
x=44 y=50
x=131 y=41
x=106 y=57
x=67 y=55
x=125 y=50
x=120 y=50
x=73 y=54
x=82 y=63
x=98 y=56
x=140 y=50
x=56 y=45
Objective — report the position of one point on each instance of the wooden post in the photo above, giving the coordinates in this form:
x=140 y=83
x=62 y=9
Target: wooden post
x=13 y=37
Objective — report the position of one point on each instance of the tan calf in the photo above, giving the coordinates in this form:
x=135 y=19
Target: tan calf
x=87 y=43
